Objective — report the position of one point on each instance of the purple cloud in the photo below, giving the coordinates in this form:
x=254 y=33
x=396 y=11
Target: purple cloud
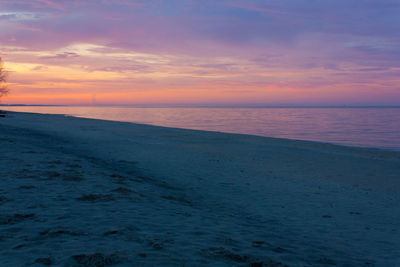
x=317 y=44
x=62 y=56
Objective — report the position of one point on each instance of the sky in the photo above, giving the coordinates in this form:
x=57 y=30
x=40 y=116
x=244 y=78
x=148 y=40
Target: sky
x=201 y=52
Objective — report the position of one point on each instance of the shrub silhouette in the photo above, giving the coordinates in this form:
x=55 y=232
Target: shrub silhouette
x=3 y=84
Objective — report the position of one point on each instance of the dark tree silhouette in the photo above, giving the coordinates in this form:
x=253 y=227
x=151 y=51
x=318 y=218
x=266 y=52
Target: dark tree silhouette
x=3 y=86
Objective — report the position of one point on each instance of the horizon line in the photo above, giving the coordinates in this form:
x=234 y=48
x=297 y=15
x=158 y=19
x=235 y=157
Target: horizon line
x=202 y=106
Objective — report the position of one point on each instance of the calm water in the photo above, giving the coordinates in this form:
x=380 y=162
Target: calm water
x=370 y=127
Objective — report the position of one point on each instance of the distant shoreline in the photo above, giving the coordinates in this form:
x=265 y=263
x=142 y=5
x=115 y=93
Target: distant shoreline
x=207 y=106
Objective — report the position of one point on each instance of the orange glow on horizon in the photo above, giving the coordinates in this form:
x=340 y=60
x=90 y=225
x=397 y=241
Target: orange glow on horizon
x=67 y=78
x=250 y=52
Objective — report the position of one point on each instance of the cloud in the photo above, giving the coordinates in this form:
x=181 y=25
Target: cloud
x=51 y=4
x=64 y=55
x=122 y=68
x=8 y=16
x=38 y=68
x=25 y=28
x=250 y=43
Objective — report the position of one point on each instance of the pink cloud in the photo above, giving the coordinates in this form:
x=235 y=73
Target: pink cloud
x=250 y=44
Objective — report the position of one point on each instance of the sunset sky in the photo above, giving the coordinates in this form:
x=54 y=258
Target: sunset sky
x=221 y=52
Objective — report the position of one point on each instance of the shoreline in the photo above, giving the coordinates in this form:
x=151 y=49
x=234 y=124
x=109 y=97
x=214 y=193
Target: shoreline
x=301 y=127
x=343 y=145
x=151 y=195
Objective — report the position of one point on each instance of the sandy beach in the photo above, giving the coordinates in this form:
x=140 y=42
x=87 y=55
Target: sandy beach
x=85 y=192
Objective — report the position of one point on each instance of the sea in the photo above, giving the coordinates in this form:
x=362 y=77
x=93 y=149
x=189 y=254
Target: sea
x=377 y=127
